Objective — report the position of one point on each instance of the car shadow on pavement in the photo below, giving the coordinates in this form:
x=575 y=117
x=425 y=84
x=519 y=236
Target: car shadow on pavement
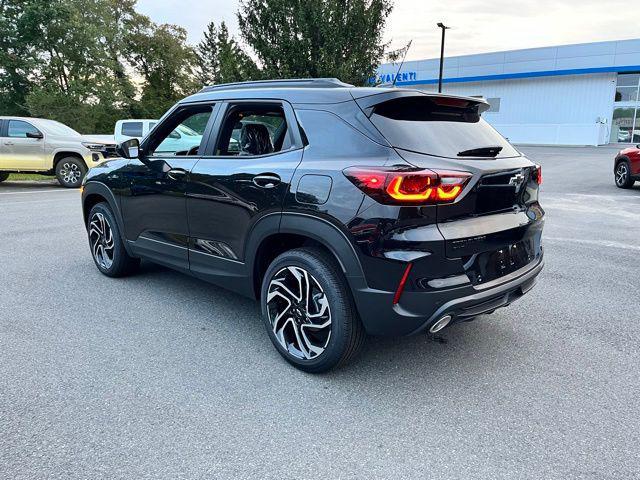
x=462 y=349
x=28 y=185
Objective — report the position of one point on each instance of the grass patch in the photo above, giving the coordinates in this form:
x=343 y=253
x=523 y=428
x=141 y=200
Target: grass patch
x=29 y=176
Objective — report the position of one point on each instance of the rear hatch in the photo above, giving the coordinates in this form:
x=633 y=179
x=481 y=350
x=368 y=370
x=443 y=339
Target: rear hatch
x=495 y=224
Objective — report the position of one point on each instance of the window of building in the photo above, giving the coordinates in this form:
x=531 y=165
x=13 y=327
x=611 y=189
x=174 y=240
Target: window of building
x=622 y=126
x=494 y=105
x=625 y=123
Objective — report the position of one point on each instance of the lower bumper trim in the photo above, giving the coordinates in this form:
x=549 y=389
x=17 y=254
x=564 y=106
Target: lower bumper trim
x=486 y=301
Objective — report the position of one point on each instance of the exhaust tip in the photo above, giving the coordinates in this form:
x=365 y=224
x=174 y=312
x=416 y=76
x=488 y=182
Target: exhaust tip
x=440 y=324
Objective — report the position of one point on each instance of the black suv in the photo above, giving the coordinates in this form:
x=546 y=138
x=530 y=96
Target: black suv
x=346 y=211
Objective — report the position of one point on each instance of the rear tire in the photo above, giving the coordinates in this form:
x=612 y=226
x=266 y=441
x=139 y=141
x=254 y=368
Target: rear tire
x=107 y=248
x=70 y=171
x=622 y=175
x=3 y=176
x=309 y=312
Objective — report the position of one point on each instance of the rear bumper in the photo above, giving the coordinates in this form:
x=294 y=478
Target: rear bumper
x=417 y=311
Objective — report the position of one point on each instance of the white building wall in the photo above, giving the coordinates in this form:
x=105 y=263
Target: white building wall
x=546 y=59
x=559 y=110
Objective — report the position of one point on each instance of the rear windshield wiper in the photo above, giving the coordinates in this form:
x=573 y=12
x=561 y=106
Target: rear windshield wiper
x=492 y=151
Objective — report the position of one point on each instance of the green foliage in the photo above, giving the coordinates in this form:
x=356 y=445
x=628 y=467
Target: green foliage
x=89 y=63
x=221 y=60
x=16 y=62
x=322 y=38
x=162 y=58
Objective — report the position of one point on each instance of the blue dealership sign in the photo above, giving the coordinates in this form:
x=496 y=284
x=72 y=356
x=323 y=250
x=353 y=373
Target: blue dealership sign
x=402 y=77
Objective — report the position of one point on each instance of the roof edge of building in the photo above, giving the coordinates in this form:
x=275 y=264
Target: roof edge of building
x=519 y=75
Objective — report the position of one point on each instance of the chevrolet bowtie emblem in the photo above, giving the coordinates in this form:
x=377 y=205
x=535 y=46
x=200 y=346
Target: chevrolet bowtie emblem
x=516 y=180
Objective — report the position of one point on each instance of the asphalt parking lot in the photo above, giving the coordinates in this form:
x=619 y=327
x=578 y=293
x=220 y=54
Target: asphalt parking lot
x=162 y=376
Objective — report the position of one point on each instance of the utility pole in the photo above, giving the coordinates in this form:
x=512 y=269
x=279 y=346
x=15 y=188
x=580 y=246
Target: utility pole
x=444 y=29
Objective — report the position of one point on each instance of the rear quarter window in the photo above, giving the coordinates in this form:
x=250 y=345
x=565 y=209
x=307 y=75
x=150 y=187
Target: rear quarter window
x=439 y=126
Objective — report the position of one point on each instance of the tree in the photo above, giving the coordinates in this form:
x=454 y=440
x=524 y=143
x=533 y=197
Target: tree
x=63 y=60
x=161 y=56
x=81 y=62
x=16 y=58
x=221 y=59
x=323 y=38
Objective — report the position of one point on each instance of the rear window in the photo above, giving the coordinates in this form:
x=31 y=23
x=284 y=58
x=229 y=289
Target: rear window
x=132 y=129
x=441 y=126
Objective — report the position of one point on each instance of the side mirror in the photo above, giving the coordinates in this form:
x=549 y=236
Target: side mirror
x=129 y=148
x=36 y=135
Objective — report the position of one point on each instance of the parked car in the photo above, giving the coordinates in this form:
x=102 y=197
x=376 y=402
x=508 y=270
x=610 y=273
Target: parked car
x=36 y=145
x=179 y=141
x=626 y=167
x=361 y=211
x=133 y=128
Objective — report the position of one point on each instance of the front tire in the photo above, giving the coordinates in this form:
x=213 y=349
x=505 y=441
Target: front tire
x=107 y=248
x=622 y=175
x=3 y=176
x=309 y=312
x=70 y=171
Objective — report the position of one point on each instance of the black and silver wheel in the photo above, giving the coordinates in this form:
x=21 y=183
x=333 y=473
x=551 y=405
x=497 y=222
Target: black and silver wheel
x=308 y=311
x=107 y=248
x=102 y=241
x=70 y=171
x=3 y=176
x=622 y=175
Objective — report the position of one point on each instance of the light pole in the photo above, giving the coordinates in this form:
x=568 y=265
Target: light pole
x=444 y=29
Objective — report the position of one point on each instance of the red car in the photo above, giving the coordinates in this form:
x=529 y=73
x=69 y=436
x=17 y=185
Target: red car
x=626 y=168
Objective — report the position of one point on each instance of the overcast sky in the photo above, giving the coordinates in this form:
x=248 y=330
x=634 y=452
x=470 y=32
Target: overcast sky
x=478 y=25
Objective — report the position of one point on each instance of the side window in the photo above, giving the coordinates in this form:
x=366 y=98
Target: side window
x=251 y=130
x=181 y=133
x=20 y=129
x=132 y=129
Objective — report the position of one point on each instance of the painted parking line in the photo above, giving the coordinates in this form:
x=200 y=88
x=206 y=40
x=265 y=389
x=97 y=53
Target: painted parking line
x=39 y=191
x=32 y=202
x=595 y=243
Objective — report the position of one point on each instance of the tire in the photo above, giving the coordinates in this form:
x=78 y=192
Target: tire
x=105 y=242
x=3 y=176
x=70 y=171
x=295 y=328
x=622 y=175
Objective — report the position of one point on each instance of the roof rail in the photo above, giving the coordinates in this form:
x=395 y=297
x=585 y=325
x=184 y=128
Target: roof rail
x=287 y=83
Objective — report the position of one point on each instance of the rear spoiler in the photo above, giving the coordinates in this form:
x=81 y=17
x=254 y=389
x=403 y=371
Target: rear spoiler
x=368 y=102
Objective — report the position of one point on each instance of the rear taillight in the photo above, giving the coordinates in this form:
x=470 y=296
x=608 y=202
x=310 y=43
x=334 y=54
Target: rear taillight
x=538 y=174
x=392 y=186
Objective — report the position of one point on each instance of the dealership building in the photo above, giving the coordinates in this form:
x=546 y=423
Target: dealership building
x=585 y=94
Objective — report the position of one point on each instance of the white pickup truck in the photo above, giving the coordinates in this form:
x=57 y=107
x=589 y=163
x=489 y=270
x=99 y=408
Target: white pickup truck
x=181 y=139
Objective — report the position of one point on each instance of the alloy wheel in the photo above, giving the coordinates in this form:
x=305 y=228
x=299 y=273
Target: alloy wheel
x=101 y=239
x=299 y=313
x=621 y=174
x=70 y=173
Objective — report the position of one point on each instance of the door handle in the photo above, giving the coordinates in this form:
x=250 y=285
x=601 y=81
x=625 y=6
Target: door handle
x=9 y=143
x=177 y=174
x=266 y=180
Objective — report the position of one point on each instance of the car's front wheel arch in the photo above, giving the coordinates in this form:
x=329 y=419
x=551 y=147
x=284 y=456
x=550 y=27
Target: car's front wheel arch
x=96 y=192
